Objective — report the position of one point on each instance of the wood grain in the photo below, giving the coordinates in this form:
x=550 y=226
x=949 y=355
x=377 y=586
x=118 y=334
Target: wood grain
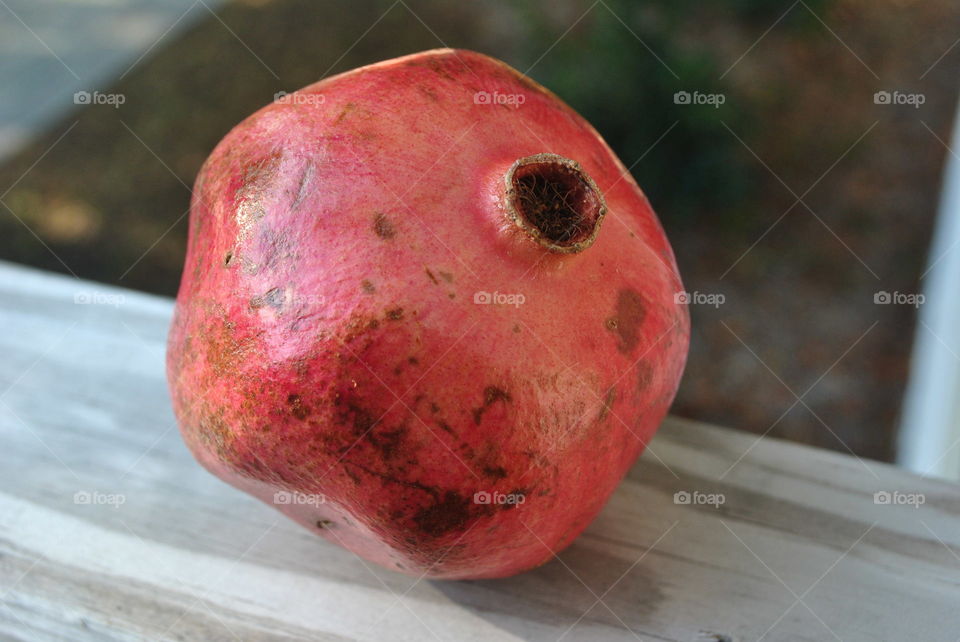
x=110 y=531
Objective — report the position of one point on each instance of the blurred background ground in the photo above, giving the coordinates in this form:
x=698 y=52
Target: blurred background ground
x=797 y=199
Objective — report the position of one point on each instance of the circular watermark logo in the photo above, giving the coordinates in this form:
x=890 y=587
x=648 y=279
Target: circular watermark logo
x=496 y=498
x=696 y=498
x=497 y=98
x=296 y=498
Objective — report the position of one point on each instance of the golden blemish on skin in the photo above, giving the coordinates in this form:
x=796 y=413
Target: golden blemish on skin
x=249 y=197
x=608 y=402
x=349 y=107
x=627 y=320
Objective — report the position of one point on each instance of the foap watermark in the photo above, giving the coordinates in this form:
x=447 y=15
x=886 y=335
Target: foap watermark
x=898 y=298
x=296 y=498
x=699 y=98
x=277 y=298
x=298 y=98
x=306 y=299
x=896 y=498
x=482 y=297
x=899 y=98
x=96 y=498
x=497 y=498
x=497 y=98
x=696 y=498
x=715 y=299
x=98 y=98
x=92 y=297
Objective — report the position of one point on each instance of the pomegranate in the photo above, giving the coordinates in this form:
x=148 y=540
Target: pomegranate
x=426 y=313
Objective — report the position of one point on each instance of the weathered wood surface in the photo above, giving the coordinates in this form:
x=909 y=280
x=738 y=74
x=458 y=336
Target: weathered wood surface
x=109 y=530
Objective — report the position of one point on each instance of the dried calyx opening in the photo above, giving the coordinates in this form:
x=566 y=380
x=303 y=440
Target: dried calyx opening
x=553 y=200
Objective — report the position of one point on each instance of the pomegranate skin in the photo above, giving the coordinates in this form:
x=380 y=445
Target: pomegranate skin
x=371 y=337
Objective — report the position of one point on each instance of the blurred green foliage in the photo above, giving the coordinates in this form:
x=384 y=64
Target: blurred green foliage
x=622 y=65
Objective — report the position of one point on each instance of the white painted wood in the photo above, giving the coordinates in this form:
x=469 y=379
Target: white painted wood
x=165 y=551
x=929 y=438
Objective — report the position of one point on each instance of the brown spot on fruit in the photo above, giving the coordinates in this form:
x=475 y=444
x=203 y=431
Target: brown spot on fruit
x=388 y=441
x=445 y=427
x=495 y=472
x=446 y=276
x=215 y=432
x=627 y=320
x=395 y=314
x=355 y=416
x=349 y=107
x=297 y=408
x=393 y=479
x=430 y=276
x=608 y=400
x=644 y=375
x=368 y=287
x=357 y=328
x=383 y=227
x=223 y=349
x=444 y=515
x=228 y=259
x=491 y=395
x=324 y=523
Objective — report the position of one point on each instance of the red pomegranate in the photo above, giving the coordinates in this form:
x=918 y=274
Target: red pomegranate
x=426 y=313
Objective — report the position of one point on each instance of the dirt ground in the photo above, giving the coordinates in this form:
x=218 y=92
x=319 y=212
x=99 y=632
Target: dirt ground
x=797 y=202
